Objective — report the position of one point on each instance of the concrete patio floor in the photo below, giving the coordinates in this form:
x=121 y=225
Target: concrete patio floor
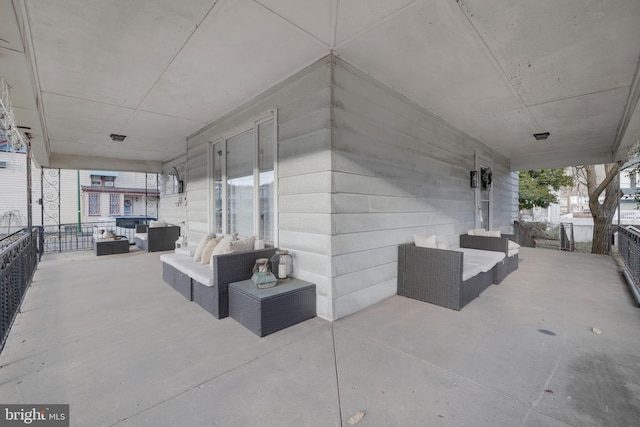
x=107 y=336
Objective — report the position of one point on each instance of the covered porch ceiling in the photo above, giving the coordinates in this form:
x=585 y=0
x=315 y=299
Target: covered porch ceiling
x=158 y=70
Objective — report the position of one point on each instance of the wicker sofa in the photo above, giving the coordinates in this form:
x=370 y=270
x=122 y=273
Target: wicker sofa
x=449 y=278
x=208 y=285
x=496 y=242
x=153 y=239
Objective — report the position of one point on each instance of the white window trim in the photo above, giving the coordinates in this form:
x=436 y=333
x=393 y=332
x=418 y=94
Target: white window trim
x=211 y=152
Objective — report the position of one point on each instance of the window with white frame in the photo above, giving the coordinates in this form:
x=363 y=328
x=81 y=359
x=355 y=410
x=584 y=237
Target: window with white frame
x=243 y=181
x=114 y=204
x=94 y=204
x=172 y=182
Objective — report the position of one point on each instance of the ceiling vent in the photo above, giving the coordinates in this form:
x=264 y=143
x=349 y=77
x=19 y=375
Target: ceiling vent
x=117 y=138
x=541 y=136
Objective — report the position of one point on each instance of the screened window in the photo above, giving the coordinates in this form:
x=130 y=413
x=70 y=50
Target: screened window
x=94 y=204
x=243 y=182
x=114 y=204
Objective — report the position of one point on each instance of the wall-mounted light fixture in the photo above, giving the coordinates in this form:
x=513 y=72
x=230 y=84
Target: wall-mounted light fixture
x=473 y=179
x=117 y=138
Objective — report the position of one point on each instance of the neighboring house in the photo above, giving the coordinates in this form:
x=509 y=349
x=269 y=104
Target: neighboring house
x=101 y=194
x=117 y=194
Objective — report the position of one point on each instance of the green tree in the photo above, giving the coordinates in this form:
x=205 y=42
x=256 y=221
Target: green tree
x=536 y=187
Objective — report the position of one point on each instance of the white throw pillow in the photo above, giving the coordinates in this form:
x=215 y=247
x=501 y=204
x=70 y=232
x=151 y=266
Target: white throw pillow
x=156 y=224
x=425 y=241
x=476 y=232
x=223 y=245
x=513 y=245
x=208 y=250
x=241 y=245
x=493 y=233
x=203 y=242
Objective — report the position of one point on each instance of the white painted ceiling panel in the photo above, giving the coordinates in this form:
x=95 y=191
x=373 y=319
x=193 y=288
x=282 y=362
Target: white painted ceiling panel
x=354 y=16
x=548 y=52
x=158 y=70
x=424 y=55
x=593 y=116
x=75 y=147
x=108 y=51
x=85 y=121
x=312 y=16
x=149 y=131
x=239 y=52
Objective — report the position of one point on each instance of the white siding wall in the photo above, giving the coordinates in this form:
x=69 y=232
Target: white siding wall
x=360 y=170
x=397 y=171
x=304 y=179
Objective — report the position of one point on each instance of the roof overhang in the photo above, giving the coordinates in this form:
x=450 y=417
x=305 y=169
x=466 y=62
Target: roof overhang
x=499 y=70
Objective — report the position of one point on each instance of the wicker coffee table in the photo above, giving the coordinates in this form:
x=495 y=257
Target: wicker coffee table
x=110 y=247
x=264 y=311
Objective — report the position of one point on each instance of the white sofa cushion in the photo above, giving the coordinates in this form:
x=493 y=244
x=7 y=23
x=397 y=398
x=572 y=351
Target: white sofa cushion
x=242 y=245
x=186 y=250
x=483 y=232
x=208 y=250
x=141 y=236
x=470 y=270
x=223 y=245
x=514 y=248
x=475 y=261
x=187 y=265
x=201 y=245
x=425 y=241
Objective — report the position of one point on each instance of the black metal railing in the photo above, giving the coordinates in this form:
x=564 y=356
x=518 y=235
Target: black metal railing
x=74 y=236
x=18 y=262
x=567 y=240
x=11 y=238
x=522 y=236
x=629 y=251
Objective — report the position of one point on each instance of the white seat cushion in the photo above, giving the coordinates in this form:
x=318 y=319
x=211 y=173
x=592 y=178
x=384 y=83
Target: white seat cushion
x=186 y=250
x=486 y=260
x=513 y=248
x=187 y=265
x=141 y=236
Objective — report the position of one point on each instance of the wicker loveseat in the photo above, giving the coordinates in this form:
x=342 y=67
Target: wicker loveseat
x=208 y=285
x=153 y=238
x=449 y=278
x=493 y=241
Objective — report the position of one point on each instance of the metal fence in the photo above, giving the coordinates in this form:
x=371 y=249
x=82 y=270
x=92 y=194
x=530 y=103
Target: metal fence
x=629 y=250
x=74 y=236
x=522 y=236
x=18 y=262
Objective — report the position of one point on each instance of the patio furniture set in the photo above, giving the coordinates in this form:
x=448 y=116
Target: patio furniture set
x=156 y=236
x=429 y=271
x=219 y=282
